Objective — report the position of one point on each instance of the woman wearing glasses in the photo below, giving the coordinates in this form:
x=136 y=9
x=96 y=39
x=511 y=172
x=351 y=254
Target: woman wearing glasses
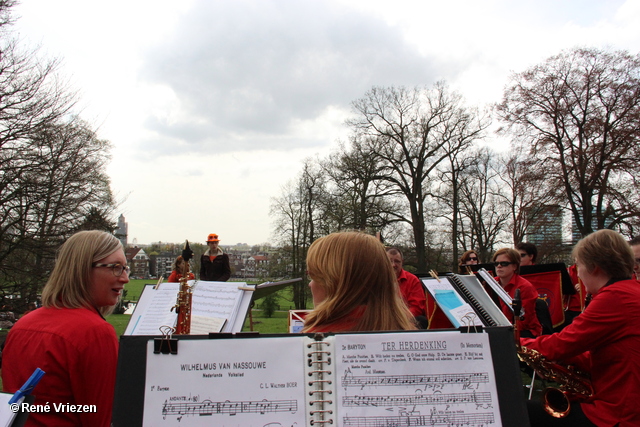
x=470 y=257
x=507 y=265
x=68 y=337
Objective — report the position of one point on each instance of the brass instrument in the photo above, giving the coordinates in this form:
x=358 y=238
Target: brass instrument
x=185 y=294
x=573 y=383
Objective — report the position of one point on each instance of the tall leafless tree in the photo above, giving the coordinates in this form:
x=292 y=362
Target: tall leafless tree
x=413 y=130
x=577 y=113
x=482 y=206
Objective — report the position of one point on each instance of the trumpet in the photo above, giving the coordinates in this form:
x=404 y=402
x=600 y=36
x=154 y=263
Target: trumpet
x=573 y=383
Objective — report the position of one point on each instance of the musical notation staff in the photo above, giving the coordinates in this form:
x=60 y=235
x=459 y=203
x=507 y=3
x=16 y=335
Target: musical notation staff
x=433 y=420
x=480 y=399
x=209 y=408
x=417 y=380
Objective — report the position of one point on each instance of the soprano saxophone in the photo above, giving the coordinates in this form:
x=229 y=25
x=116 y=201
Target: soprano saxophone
x=185 y=294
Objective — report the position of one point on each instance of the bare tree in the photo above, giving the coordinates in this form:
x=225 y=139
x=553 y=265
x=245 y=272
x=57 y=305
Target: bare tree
x=482 y=206
x=526 y=192
x=356 y=199
x=297 y=217
x=578 y=114
x=62 y=180
x=412 y=129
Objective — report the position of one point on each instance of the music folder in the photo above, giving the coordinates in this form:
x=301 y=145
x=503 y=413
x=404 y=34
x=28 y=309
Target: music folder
x=346 y=379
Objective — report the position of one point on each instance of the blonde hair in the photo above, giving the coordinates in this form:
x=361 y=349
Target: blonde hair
x=607 y=250
x=69 y=283
x=512 y=254
x=354 y=270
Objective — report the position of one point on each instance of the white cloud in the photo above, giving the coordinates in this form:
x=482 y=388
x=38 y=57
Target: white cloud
x=212 y=105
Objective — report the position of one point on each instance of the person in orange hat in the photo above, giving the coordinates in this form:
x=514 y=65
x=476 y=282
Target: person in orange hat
x=214 y=264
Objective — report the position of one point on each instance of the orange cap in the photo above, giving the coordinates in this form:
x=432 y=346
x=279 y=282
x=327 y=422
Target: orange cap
x=213 y=237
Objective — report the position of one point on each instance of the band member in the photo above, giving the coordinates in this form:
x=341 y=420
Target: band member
x=68 y=337
x=214 y=264
x=470 y=257
x=507 y=265
x=604 y=339
x=411 y=288
x=354 y=287
x=178 y=268
x=528 y=253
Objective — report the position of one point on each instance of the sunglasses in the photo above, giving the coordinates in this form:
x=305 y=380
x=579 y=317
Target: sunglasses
x=503 y=263
x=472 y=258
x=523 y=254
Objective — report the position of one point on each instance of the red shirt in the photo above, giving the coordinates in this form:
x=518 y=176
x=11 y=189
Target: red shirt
x=606 y=337
x=412 y=293
x=78 y=351
x=175 y=276
x=346 y=324
x=528 y=295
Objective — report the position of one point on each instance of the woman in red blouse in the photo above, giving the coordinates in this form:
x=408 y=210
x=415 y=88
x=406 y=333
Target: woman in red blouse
x=178 y=268
x=604 y=340
x=507 y=264
x=354 y=286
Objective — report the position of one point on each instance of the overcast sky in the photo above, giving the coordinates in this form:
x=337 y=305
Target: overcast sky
x=211 y=106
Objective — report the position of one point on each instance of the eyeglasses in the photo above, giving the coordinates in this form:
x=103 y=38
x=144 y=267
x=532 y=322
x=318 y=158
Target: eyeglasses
x=523 y=254
x=503 y=263
x=472 y=258
x=117 y=269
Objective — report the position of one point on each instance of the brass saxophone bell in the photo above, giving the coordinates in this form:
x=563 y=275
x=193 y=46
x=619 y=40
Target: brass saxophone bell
x=555 y=402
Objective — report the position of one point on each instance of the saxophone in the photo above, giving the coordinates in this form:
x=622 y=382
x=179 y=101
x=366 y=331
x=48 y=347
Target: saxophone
x=573 y=383
x=185 y=294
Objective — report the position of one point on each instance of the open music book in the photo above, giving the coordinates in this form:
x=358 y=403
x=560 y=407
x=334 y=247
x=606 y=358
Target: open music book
x=464 y=301
x=217 y=306
x=411 y=378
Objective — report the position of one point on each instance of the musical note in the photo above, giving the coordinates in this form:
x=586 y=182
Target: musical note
x=209 y=408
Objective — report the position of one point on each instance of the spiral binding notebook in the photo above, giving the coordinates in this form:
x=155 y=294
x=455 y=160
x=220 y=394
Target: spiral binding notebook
x=464 y=301
x=409 y=378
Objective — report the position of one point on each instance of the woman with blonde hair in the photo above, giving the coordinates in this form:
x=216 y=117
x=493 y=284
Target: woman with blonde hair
x=603 y=340
x=68 y=337
x=354 y=286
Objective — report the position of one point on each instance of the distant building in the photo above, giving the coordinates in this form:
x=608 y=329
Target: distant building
x=138 y=261
x=122 y=231
x=161 y=264
x=576 y=235
x=547 y=227
x=256 y=266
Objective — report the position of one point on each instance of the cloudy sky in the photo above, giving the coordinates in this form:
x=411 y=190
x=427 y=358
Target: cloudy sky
x=212 y=105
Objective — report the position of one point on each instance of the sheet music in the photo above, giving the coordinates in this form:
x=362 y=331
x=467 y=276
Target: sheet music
x=220 y=299
x=154 y=310
x=204 y=325
x=6 y=414
x=499 y=290
x=217 y=300
x=422 y=379
x=459 y=312
x=227 y=383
